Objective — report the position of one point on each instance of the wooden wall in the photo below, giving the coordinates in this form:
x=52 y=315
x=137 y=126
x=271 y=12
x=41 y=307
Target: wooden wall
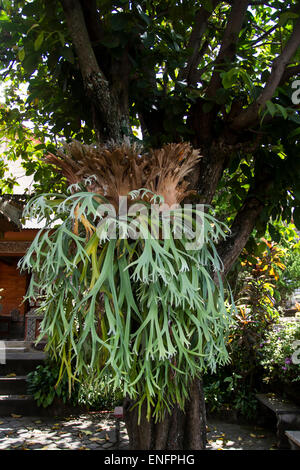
x=14 y=285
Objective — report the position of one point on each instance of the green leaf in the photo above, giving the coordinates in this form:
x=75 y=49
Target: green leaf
x=21 y=54
x=143 y=15
x=61 y=38
x=228 y=78
x=287 y=16
x=36 y=25
x=148 y=39
x=271 y=108
x=39 y=41
x=30 y=62
x=294 y=133
x=246 y=170
x=282 y=110
x=39 y=146
x=68 y=54
x=296 y=193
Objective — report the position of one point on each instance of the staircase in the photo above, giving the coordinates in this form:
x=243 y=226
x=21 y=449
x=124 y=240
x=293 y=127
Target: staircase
x=20 y=360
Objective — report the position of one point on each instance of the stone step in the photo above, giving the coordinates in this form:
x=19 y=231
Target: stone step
x=21 y=363
x=294 y=439
x=17 y=343
x=23 y=405
x=15 y=346
x=13 y=385
x=13 y=349
x=26 y=356
x=286 y=412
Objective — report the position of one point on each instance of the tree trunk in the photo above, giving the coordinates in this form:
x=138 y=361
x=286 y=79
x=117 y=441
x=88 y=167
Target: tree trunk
x=178 y=430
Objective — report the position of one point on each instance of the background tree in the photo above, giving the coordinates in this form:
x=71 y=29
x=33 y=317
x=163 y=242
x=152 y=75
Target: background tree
x=217 y=74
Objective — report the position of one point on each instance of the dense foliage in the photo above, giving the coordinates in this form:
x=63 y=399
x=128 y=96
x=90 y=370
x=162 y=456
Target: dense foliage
x=280 y=355
x=45 y=386
x=258 y=309
x=290 y=278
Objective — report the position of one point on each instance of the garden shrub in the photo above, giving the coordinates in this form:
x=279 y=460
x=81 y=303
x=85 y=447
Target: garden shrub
x=235 y=385
x=280 y=354
x=290 y=278
x=100 y=397
x=43 y=385
x=273 y=361
x=229 y=392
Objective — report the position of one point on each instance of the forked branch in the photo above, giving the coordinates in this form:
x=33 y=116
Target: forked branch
x=251 y=114
x=111 y=119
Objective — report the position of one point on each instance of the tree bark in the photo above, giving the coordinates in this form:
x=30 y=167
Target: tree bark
x=241 y=229
x=111 y=120
x=195 y=41
x=177 y=431
x=244 y=222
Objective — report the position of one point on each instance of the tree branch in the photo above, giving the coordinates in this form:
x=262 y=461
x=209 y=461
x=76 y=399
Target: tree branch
x=95 y=30
x=78 y=31
x=201 y=122
x=241 y=229
x=195 y=41
x=228 y=47
x=265 y=35
x=96 y=84
x=244 y=222
x=92 y=20
x=250 y=115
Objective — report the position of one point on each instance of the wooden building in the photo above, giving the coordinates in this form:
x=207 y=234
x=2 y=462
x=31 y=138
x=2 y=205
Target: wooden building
x=15 y=239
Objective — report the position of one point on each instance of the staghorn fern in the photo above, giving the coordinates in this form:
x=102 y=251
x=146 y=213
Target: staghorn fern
x=119 y=169
x=143 y=313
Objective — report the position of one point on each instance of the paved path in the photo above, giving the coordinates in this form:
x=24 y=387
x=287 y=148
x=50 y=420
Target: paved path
x=96 y=431
x=225 y=436
x=93 y=431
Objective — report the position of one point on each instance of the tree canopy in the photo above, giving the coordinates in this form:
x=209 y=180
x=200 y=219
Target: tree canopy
x=218 y=74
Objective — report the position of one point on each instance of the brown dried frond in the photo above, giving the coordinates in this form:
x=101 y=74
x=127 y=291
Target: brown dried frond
x=117 y=169
x=66 y=166
x=120 y=168
x=170 y=165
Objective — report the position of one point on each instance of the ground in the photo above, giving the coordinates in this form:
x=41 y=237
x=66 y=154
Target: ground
x=93 y=431
x=224 y=436
x=96 y=431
